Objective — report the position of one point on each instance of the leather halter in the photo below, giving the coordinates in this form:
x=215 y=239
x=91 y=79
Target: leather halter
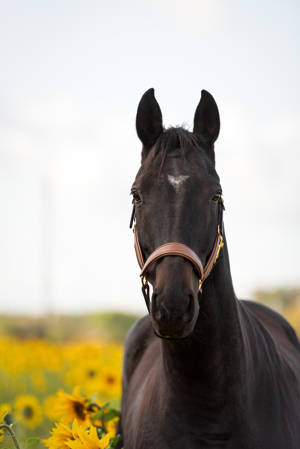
x=177 y=249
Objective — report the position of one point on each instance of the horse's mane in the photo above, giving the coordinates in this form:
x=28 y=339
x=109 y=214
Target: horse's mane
x=174 y=139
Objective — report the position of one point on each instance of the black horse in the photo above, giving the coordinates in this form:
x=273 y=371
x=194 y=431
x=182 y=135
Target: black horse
x=203 y=369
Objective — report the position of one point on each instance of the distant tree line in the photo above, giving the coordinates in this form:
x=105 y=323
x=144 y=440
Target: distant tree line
x=285 y=301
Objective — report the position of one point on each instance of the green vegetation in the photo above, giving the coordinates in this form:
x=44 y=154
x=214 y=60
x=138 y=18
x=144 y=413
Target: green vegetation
x=286 y=301
x=114 y=326
x=104 y=326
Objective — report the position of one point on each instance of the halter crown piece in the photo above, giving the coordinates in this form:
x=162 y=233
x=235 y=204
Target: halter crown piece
x=177 y=249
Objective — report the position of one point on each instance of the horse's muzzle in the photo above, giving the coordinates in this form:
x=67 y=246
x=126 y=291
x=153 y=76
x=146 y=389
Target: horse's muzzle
x=174 y=306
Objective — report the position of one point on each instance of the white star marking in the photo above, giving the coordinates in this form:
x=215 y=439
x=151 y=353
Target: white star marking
x=176 y=181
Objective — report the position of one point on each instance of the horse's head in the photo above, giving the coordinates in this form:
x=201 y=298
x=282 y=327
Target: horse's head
x=177 y=196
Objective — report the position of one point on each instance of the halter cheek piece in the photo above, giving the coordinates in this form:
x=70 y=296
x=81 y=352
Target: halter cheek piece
x=177 y=249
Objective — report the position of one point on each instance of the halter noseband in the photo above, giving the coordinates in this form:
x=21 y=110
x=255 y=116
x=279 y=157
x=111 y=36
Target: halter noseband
x=177 y=249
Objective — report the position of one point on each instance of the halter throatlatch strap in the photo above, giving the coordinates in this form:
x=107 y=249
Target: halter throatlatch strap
x=178 y=249
x=137 y=247
x=214 y=256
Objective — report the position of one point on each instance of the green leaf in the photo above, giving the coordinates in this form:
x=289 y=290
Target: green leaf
x=31 y=441
x=113 y=442
x=99 y=414
x=111 y=414
x=7 y=434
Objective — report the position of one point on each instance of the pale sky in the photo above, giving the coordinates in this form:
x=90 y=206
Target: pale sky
x=71 y=76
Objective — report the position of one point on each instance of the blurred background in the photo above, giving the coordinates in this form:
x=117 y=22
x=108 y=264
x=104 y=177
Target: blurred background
x=72 y=74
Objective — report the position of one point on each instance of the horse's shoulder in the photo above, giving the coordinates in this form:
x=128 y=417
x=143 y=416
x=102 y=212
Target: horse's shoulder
x=137 y=341
x=273 y=321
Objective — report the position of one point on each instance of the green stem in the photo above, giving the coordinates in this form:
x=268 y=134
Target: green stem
x=12 y=435
x=93 y=404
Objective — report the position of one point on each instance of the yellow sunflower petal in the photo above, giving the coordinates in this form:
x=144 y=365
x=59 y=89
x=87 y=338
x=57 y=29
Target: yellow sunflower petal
x=76 y=393
x=50 y=407
x=82 y=438
x=59 y=437
x=75 y=428
x=87 y=441
x=75 y=444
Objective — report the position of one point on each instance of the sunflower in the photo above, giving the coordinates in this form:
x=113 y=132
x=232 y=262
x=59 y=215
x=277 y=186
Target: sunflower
x=88 y=439
x=28 y=411
x=86 y=373
x=110 y=384
x=60 y=435
x=76 y=438
x=72 y=406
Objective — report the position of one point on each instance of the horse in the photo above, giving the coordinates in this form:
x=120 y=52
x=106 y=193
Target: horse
x=202 y=369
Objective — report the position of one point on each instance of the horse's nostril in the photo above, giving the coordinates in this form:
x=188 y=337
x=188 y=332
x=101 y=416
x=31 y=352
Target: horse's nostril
x=189 y=311
x=178 y=309
x=173 y=313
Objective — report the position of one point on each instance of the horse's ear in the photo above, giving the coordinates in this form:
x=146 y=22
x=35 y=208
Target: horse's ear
x=207 y=119
x=148 y=120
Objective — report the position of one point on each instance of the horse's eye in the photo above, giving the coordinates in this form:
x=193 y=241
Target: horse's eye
x=216 y=198
x=136 y=197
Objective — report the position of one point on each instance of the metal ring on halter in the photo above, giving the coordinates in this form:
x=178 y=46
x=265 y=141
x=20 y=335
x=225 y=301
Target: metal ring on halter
x=144 y=280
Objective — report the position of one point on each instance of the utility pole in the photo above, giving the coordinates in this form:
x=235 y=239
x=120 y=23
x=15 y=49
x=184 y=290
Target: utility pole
x=47 y=247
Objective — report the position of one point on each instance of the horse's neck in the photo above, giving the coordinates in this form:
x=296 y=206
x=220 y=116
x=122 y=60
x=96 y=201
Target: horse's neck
x=211 y=361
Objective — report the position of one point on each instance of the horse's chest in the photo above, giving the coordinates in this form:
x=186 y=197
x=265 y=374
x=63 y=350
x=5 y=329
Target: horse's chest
x=159 y=432
x=152 y=420
x=156 y=414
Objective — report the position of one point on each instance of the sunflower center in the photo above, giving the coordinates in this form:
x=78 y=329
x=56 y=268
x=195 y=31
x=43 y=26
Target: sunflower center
x=92 y=373
x=110 y=380
x=79 y=410
x=27 y=412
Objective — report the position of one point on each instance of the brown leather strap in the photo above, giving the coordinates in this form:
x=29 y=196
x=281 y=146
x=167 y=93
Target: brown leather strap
x=137 y=247
x=173 y=249
x=213 y=257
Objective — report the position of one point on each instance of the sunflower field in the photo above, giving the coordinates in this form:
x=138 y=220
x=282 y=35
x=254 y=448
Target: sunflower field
x=75 y=384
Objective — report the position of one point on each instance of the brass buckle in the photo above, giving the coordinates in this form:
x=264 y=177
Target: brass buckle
x=221 y=244
x=200 y=285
